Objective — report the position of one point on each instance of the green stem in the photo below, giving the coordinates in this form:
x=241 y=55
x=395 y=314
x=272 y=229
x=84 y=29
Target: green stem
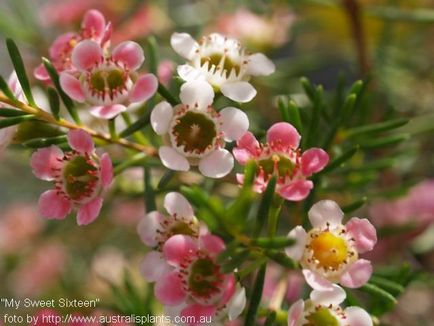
x=256 y=297
x=112 y=129
x=273 y=217
x=164 y=92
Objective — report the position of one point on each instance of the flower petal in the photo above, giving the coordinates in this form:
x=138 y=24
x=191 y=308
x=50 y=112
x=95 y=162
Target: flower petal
x=72 y=87
x=46 y=162
x=212 y=244
x=235 y=123
x=94 y=24
x=356 y=316
x=189 y=73
x=107 y=111
x=80 y=141
x=169 y=289
x=161 y=117
x=335 y=296
x=283 y=133
x=173 y=160
x=246 y=148
x=54 y=206
x=260 y=65
x=106 y=167
x=237 y=303
x=197 y=94
x=357 y=274
x=363 y=233
x=316 y=281
x=296 y=190
x=198 y=312
x=295 y=313
x=130 y=54
x=323 y=212
x=297 y=249
x=183 y=44
x=148 y=228
x=144 y=88
x=41 y=73
x=177 y=248
x=153 y=266
x=86 y=54
x=241 y=91
x=177 y=204
x=313 y=160
x=217 y=164
x=88 y=212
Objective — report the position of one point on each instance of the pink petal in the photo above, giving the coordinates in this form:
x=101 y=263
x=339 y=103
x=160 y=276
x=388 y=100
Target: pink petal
x=144 y=88
x=94 y=24
x=313 y=160
x=357 y=274
x=106 y=167
x=356 y=316
x=72 y=87
x=130 y=54
x=53 y=205
x=107 y=111
x=61 y=46
x=148 y=228
x=316 y=281
x=169 y=289
x=283 y=133
x=153 y=266
x=363 y=232
x=86 y=54
x=325 y=212
x=217 y=164
x=296 y=190
x=295 y=313
x=229 y=287
x=177 y=204
x=178 y=248
x=41 y=73
x=88 y=212
x=212 y=244
x=46 y=162
x=246 y=149
x=197 y=312
x=80 y=141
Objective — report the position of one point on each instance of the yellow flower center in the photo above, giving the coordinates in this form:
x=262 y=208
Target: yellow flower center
x=329 y=250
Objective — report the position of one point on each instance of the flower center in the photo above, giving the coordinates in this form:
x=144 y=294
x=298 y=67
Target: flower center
x=329 y=250
x=205 y=278
x=110 y=81
x=195 y=132
x=221 y=61
x=183 y=228
x=277 y=164
x=321 y=317
x=80 y=177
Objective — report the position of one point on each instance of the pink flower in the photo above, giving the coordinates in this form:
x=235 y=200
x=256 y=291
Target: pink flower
x=192 y=283
x=195 y=133
x=108 y=81
x=323 y=308
x=165 y=71
x=93 y=27
x=329 y=252
x=281 y=157
x=79 y=176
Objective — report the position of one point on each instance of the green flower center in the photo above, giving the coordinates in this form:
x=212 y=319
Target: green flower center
x=112 y=80
x=278 y=165
x=322 y=317
x=183 y=228
x=80 y=177
x=195 y=131
x=205 y=278
x=215 y=59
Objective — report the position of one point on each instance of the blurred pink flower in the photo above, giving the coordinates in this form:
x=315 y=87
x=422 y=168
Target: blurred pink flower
x=293 y=281
x=165 y=71
x=126 y=211
x=281 y=157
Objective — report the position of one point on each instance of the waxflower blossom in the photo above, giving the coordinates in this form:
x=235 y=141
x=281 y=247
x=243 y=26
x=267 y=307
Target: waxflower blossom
x=108 y=80
x=323 y=308
x=195 y=134
x=222 y=62
x=93 y=27
x=282 y=158
x=79 y=176
x=329 y=252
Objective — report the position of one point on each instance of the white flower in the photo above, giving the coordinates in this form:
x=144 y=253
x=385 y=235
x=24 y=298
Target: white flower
x=222 y=62
x=195 y=133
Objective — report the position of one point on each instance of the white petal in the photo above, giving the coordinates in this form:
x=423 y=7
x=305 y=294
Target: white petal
x=335 y=296
x=237 y=303
x=238 y=91
x=189 y=73
x=148 y=226
x=356 y=316
x=323 y=212
x=297 y=249
x=295 y=313
x=154 y=266
x=161 y=117
x=316 y=281
x=171 y=159
x=260 y=65
x=217 y=164
x=183 y=44
x=235 y=123
x=197 y=93
x=175 y=203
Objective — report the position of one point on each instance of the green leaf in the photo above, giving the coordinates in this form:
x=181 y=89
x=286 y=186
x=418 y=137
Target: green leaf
x=9 y=112
x=164 y=92
x=149 y=191
x=53 y=99
x=235 y=261
x=355 y=205
x=385 y=301
x=142 y=122
x=256 y=296
x=18 y=64
x=249 y=174
x=309 y=89
x=384 y=141
x=271 y=318
x=388 y=285
x=165 y=179
x=153 y=54
x=273 y=243
x=4 y=87
x=44 y=142
x=294 y=115
x=281 y=258
x=15 y=120
x=376 y=127
x=338 y=161
x=264 y=206
x=282 y=105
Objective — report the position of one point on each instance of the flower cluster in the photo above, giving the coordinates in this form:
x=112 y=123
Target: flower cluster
x=189 y=280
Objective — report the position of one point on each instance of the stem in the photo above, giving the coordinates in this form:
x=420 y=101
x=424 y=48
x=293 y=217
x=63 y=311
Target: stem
x=164 y=92
x=47 y=117
x=256 y=297
x=112 y=129
x=273 y=217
